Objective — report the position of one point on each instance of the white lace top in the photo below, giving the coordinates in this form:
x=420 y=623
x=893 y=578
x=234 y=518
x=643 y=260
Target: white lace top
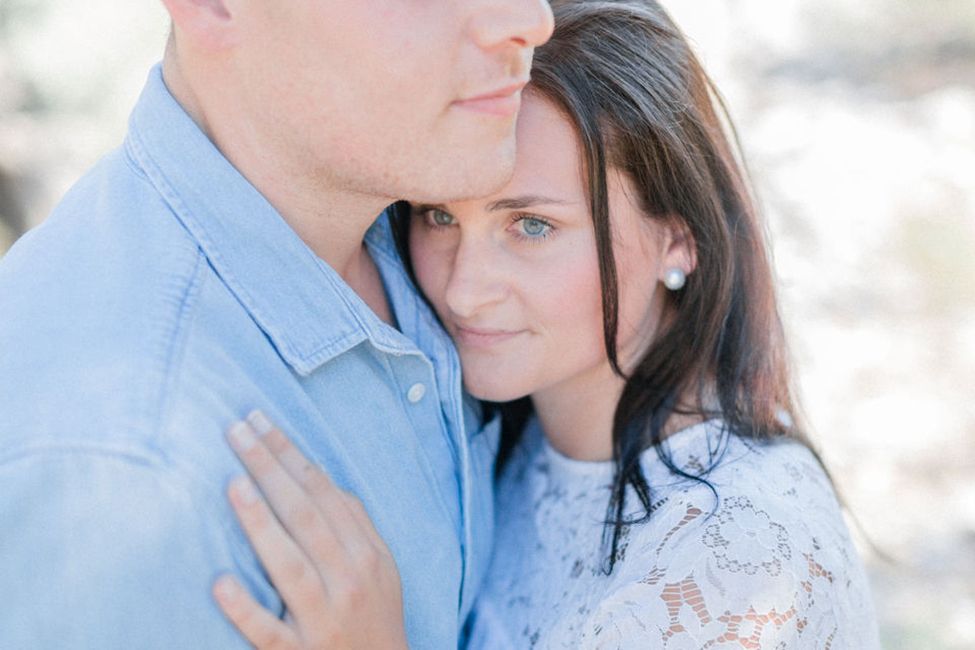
x=772 y=567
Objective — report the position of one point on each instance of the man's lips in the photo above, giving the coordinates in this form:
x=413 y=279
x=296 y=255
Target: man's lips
x=478 y=337
x=501 y=102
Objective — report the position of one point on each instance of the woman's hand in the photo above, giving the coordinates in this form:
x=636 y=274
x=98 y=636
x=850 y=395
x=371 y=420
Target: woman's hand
x=337 y=578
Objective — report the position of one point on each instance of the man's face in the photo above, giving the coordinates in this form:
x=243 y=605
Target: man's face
x=375 y=96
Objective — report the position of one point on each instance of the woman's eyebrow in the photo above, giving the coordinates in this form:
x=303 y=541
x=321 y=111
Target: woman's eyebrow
x=522 y=202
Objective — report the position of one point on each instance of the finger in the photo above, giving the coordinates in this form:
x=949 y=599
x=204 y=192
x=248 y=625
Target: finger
x=358 y=512
x=327 y=497
x=314 y=533
x=302 y=470
x=259 y=626
x=345 y=514
x=291 y=570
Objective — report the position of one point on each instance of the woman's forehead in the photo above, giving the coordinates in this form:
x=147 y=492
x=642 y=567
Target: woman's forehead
x=548 y=161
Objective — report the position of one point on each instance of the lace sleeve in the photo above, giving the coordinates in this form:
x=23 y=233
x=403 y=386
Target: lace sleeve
x=741 y=578
x=638 y=616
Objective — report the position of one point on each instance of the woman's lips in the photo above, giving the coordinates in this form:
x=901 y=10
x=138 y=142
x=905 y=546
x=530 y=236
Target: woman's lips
x=475 y=337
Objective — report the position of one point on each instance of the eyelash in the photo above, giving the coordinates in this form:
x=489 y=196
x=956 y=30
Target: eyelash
x=425 y=215
x=549 y=228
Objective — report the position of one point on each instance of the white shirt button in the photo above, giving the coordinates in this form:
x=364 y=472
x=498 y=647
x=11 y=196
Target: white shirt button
x=416 y=393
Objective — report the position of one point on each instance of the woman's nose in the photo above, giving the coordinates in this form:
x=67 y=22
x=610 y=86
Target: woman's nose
x=476 y=280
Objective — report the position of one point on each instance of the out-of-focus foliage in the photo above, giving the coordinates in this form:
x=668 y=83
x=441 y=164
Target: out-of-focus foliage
x=857 y=118
x=858 y=121
x=69 y=73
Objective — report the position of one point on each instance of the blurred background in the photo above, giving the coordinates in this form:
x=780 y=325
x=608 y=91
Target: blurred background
x=857 y=118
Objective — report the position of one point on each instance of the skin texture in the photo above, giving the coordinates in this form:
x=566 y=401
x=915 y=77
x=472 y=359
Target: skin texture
x=319 y=547
x=316 y=102
x=517 y=286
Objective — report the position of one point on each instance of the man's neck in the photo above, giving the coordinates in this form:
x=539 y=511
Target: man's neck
x=331 y=221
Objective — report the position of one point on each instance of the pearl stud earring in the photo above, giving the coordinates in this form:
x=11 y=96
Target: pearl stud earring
x=675 y=279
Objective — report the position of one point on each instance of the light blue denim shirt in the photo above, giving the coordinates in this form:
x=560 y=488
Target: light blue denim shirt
x=164 y=299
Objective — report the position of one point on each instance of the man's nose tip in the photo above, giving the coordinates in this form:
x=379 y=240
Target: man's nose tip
x=525 y=23
x=545 y=25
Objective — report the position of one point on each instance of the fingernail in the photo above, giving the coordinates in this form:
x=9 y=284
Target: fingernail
x=226 y=588
x=244 y=490
x=241 y=436
x=261 y=424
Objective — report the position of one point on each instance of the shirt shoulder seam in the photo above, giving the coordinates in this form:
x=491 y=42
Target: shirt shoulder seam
x=148 y=459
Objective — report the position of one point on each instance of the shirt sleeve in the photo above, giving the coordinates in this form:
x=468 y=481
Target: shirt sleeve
x=746 y=577
x=679 y=616
x=106 y=550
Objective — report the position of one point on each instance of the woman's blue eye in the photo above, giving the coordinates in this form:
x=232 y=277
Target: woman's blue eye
x=534 y=227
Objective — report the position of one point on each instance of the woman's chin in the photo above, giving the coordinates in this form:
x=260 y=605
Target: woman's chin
x=492 y=391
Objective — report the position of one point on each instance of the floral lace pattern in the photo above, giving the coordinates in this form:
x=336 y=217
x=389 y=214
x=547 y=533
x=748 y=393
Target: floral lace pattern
x=767 y=564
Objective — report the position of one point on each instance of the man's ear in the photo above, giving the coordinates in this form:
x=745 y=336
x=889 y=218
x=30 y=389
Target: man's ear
x=680 y=248
x=206 y=24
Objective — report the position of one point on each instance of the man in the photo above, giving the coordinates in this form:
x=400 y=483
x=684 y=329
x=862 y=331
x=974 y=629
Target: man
x=216 y=264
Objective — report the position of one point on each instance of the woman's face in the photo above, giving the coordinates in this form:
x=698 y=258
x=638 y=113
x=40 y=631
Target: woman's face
x=515 y=276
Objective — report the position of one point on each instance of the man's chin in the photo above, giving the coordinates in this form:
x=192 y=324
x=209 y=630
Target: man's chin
x=466 y=180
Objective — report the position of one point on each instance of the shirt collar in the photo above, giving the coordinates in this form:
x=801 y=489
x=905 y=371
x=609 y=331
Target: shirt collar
x=309 y=313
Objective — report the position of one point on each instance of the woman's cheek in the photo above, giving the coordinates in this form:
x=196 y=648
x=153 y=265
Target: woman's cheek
x=569 y=292
x=428 y=265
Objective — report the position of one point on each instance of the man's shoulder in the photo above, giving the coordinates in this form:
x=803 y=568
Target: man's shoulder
x=111 y=231
x=114 y=199
x=95 y=300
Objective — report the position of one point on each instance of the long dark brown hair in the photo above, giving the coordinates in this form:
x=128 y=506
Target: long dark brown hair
x=640 y=101
x=625 y=77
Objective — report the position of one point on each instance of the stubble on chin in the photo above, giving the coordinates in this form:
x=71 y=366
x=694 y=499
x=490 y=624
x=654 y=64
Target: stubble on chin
x=466 y=176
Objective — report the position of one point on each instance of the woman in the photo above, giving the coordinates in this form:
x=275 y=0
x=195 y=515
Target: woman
x=654 y=488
